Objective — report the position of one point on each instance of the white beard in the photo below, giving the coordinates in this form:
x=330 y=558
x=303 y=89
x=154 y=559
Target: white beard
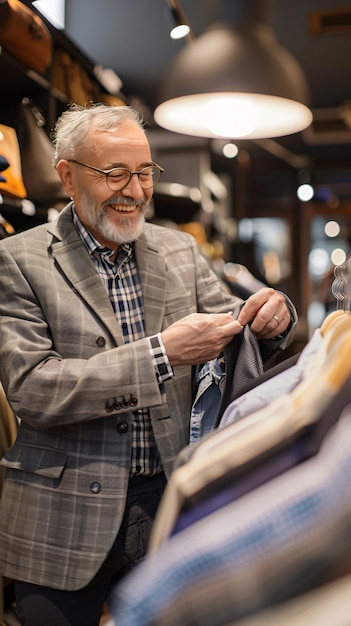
x=125 y=232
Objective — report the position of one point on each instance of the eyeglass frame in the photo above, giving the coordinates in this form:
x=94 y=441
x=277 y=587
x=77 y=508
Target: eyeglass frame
x=131 y=174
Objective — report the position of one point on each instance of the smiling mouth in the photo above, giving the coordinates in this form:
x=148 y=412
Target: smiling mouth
x=124 y=208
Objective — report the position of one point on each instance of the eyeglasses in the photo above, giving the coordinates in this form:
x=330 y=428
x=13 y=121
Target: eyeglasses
x=119 y=177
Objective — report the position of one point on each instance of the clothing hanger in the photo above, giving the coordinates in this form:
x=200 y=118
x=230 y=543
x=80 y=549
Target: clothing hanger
x=341 y=286
x=330 y=319
x=335 y=331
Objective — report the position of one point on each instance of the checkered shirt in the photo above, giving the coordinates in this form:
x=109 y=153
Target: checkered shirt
x=122 y=283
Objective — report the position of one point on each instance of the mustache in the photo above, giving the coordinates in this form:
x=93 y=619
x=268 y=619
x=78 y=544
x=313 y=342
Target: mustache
x=123 y=200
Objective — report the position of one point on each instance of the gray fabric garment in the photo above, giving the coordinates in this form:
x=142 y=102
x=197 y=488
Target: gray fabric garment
x=243 y=362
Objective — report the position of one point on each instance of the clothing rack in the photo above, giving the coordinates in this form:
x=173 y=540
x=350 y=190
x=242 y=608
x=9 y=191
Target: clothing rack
x=341 y=286
x=258 y=517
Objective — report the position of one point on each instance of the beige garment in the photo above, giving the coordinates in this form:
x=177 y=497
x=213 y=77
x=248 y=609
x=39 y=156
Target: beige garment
x=326 y=605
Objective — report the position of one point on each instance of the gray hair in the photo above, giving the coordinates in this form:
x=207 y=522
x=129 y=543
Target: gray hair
x=71 y=129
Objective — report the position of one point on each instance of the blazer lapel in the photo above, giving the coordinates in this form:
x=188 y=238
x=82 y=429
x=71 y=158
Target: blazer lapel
x=152 y=272
x=74 y=261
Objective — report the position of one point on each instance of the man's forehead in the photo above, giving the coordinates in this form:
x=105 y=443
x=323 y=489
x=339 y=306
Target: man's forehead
x=123 y=139
x=125 y=134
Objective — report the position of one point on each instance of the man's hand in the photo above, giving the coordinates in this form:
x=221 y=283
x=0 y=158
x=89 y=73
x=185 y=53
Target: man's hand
x=268 y=313
x=199 y=337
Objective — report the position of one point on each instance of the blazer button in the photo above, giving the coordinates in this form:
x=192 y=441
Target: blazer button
x=101 y=342
x=110 y=405
x=122 y=427
x=95 y=487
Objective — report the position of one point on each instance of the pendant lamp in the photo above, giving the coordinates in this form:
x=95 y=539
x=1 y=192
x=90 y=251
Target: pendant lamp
x=235 y=81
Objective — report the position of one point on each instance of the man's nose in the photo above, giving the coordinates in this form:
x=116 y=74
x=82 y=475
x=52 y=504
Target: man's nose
x=134 y=186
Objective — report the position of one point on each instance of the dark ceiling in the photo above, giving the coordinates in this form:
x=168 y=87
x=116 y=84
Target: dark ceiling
x=132 y=38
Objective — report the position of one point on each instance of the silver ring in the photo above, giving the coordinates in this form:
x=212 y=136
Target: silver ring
x=276 y=318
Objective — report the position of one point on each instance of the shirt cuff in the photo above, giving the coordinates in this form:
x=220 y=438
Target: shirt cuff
x=159 y=357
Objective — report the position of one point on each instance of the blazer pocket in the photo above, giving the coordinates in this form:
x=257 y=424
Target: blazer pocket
x=47 y=462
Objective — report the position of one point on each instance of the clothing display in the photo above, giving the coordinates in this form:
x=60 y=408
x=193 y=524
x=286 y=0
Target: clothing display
x=231 y=450
x=261 y=513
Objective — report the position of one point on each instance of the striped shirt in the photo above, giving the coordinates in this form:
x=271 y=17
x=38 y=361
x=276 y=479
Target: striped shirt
x=122 y=283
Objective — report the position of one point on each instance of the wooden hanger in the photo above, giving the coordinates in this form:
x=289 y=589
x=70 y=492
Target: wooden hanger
x=330 y=319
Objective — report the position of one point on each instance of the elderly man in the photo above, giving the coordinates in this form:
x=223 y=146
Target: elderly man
x=102 y=317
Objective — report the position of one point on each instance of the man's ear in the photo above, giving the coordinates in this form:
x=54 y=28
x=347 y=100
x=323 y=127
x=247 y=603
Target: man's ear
x=65 y=173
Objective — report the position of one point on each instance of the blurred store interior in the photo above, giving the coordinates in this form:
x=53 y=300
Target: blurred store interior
x=281 y=205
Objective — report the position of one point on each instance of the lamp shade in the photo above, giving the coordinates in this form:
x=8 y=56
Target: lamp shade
x=235 y=83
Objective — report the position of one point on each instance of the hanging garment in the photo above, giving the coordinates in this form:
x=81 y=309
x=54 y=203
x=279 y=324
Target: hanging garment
x=277 y=542
x=219 y=381
x=208 y=386
x=42 y=182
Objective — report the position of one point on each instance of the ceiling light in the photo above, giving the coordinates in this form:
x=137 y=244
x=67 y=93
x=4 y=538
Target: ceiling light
x=235 y=83
x=332 y=228
x=305 y=192
x=181 y=27
x=179 y=31
x=230 y=150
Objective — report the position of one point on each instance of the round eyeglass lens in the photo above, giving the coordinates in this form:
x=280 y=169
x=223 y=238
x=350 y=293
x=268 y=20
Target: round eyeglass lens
x=119 y=177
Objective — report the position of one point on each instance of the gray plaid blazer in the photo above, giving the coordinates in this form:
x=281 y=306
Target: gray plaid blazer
x=73 y=383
